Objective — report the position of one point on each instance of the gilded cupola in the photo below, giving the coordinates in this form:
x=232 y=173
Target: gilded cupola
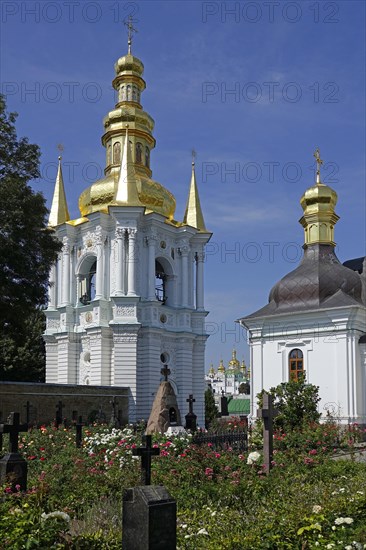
x=318 y=203
x=128 y=112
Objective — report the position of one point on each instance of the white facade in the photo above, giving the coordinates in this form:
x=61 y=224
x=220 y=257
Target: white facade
x=333 y=358
x=126 y=294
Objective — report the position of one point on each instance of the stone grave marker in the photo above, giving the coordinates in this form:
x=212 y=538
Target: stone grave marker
x=267 y=413
x=13 y=463
x=149 y=512
x=79 y=432
x=191 y=418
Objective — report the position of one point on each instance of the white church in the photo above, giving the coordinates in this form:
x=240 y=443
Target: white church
x=126 y=294
x=315 y=319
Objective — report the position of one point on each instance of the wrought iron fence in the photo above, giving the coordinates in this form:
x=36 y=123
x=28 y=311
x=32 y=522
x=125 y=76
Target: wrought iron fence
x=237 y=441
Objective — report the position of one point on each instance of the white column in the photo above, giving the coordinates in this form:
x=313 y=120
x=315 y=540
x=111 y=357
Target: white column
x=65 y=272
x=199 y=281
x=131 y=262
x=99 y=287
x=120 y=235
x=78 y=290
x=151 y=240
x=52 y=302
x=184 y=251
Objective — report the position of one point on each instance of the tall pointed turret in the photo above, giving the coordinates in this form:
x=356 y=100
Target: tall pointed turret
x=126 y=192
x=59 y=212
x=193 y=215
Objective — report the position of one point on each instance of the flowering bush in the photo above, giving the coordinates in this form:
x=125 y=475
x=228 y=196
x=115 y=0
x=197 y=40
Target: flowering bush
x=224 y=499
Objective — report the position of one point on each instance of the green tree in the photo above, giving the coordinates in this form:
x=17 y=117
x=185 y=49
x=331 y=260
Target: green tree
x=296 y=403
x=27 y=249
x=211 y=411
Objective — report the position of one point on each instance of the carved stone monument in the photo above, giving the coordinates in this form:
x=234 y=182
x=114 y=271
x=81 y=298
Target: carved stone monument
x=165 y=412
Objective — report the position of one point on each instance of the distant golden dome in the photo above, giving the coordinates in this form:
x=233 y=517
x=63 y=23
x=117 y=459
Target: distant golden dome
x=221 y=367
x=234 y=363
x=100 y=195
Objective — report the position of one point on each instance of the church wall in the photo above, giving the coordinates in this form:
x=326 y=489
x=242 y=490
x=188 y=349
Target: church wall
x=332 y=361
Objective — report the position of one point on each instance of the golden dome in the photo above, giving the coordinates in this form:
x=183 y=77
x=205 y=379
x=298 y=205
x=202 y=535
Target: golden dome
x=129 y=63
x=318 y=203
x=100 y=195
x=234 y=363
x=221 y=367
x=211 y=372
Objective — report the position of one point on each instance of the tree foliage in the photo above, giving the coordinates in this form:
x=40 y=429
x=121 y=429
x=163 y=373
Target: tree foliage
x=211 y=411
x=296 y=403
x=27 y=246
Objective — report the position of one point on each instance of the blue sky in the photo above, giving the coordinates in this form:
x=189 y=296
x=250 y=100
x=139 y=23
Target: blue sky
x=296 y=71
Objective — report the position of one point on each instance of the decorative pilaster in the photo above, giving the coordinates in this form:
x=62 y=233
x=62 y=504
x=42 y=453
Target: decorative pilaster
x=151 y=242
x=99 y=290
x=131 y=262
x=120 y=237
x=199 y=257
x=184 y=252
x=52 y=300
x=65 y=296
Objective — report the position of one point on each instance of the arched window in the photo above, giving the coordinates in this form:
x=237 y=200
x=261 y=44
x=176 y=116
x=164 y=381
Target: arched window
x=160 y=282
x=147 y=157
x=138 y=153
x=295 y=364
x=88 y=285
x=128 y=93
x=109 y=153
x=117 y=153
x=134 y=93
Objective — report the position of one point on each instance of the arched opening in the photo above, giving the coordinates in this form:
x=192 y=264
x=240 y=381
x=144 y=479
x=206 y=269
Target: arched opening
x=147 y=157
x=138 y=153
x=160 y=282
x=117 y=153
x=296 y=365
x=87 y=281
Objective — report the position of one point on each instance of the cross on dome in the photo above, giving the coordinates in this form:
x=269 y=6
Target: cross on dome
x=319 y=162
x=130 y=30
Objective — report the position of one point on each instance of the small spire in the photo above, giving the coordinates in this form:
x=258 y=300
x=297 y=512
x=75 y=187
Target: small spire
x=193 y=215
x=59 y=212
x=319 y=162
x=127 y=184
x=131 y=30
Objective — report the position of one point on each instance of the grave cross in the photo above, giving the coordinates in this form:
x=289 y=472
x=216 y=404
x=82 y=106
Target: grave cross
x=113 y=421
x=267 y=413
x=165 y=372
x=59 y=408
x=190 y=400
x=13 y=428
x=146 y=453
x=27 y=411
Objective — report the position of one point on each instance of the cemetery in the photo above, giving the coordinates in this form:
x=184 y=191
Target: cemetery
x=268 y=485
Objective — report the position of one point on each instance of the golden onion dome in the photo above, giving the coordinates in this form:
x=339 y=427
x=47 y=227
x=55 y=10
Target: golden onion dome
x=234 y=363
x=221 y=367
x=211 y=372
x=129 y=63
x=101 y=194
x=319 y=197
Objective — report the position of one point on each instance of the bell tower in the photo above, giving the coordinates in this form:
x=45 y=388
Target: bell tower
x=127 y=292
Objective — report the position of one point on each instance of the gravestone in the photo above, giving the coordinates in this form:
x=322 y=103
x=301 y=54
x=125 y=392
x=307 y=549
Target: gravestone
x=191 y=418
x=267 y=413
x=79 y=432
x=165 y=412
x=223 y=405
x=13 y=464
x=149 y=512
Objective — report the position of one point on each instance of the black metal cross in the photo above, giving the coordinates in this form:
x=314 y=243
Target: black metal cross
x=146 y=453
x=190 y=400
x=165 y=372
x=267 y=413
x=13 y=428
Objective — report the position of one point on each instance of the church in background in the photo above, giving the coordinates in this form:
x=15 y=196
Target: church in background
x=126 y=295
x=315 y=321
